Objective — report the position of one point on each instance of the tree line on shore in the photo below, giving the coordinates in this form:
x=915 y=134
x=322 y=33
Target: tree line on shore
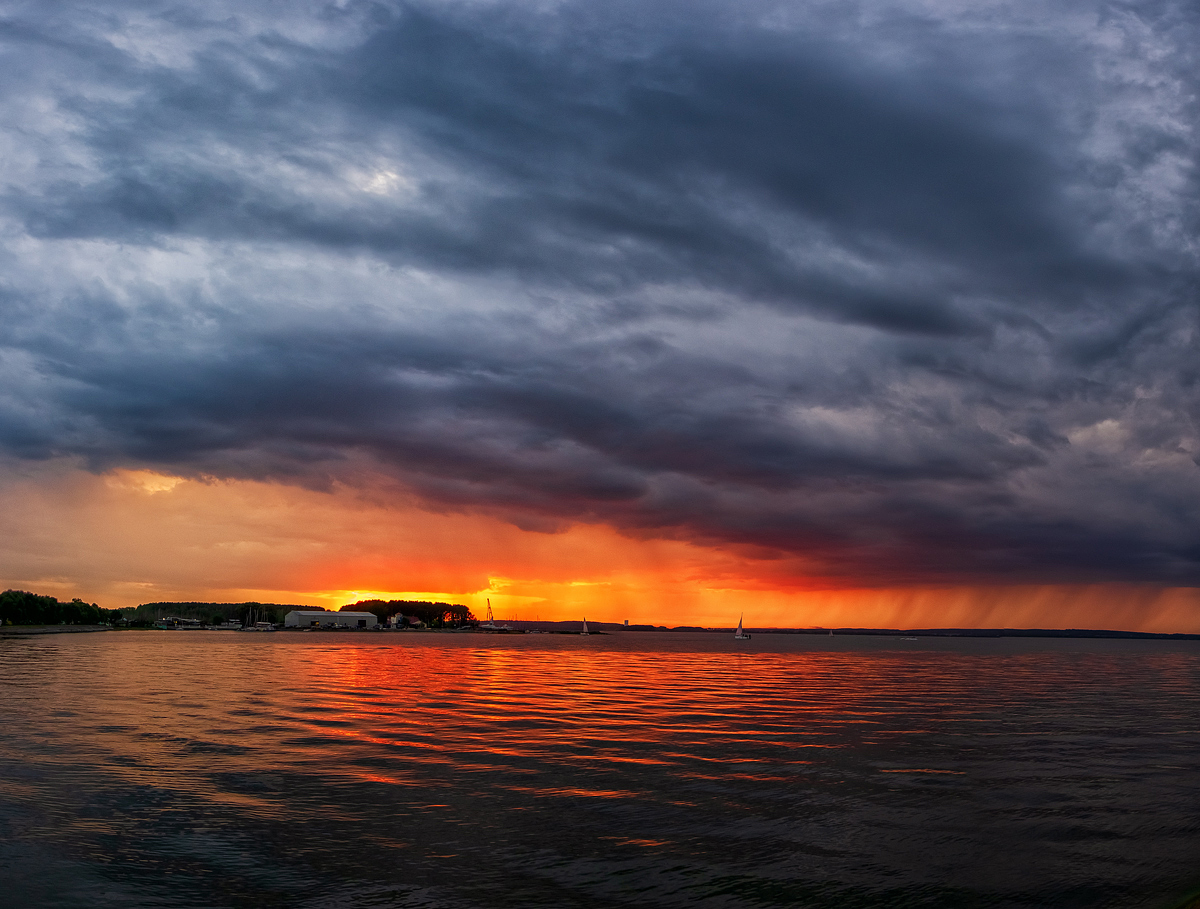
x=435 y=615
x=20 y=607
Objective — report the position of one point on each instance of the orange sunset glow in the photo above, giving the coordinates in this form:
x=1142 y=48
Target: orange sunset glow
x=128 y=537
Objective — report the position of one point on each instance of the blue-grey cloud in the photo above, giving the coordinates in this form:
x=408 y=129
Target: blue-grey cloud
x=899 y=293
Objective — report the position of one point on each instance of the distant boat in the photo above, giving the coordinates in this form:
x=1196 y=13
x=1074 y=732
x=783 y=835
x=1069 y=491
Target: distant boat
x=490 y=624
x=585 y=631
x=740 y=635
x=831 y=632
x=252 y=625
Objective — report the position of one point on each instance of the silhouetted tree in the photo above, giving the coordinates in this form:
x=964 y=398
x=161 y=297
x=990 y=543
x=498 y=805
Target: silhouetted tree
x=20 y=607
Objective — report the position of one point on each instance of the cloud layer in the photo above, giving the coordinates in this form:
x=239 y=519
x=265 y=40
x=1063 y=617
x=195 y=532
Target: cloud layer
x=895 y=292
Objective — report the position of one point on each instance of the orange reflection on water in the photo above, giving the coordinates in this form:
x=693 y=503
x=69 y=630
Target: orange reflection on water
x=478 y=705
x=411 y=710
x=1032 y=760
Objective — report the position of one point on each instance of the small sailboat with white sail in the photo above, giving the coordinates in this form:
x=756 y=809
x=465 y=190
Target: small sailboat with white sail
x=585 y=631
x=740 y=635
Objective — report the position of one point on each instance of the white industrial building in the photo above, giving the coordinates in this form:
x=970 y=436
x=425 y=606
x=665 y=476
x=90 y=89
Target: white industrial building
x=317 y=618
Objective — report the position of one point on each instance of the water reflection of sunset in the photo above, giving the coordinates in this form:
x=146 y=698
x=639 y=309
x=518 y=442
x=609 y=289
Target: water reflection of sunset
x=537 y=752
x=613 y=707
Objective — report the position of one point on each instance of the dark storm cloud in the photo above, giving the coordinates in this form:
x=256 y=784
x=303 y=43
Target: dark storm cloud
x=584 y=169
x=906 y=301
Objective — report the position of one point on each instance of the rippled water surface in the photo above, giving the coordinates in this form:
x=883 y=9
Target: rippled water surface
x=340 y=770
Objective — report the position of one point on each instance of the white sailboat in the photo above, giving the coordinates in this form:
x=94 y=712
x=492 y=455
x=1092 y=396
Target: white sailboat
x=740 y=635
x=490 y=624
x=585 y=631
x=253 y=623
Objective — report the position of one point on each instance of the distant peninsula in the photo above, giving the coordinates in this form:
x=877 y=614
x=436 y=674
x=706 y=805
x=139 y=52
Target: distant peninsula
x=430 y=614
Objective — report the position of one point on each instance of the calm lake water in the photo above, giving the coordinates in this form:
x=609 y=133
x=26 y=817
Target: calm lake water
x=188 y=769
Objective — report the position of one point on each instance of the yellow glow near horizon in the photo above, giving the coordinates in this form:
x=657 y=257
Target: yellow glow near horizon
x=143 y=480
x=138 y=536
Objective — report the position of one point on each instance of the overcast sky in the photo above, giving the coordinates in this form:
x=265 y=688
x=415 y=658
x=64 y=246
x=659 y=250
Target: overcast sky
x=901 y=291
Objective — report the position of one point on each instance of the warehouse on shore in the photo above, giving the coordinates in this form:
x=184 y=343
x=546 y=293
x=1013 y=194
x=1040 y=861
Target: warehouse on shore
x=319 y=618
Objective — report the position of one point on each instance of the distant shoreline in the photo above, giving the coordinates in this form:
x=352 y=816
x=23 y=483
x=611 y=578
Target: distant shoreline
x=607 y=628
x=987 y=633
x=1096 y=633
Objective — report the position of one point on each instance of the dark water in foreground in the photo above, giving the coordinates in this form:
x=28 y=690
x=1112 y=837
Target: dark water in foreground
x=187 y=769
